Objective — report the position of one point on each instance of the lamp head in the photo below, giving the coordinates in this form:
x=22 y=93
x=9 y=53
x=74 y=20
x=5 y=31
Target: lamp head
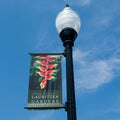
x=68 y=24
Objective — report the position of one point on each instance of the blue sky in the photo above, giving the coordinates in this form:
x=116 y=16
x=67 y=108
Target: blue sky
x=29 y=26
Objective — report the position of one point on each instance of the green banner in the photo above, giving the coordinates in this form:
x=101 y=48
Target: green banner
x=45 y=84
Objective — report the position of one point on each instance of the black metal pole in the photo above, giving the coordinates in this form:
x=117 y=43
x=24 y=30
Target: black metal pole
x=68 y=36
x=71 y=104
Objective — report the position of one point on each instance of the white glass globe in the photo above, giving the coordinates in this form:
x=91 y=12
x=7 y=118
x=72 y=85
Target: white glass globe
x=68 y=18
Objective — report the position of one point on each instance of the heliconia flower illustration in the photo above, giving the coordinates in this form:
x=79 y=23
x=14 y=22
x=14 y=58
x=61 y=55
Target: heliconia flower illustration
x=43 y=63
x=47 y=69
x=42 y=68
x=51 y=72
x=50 y=59
x=43 y=84
x=50 y=77
x=41 y=74
x=51 y=66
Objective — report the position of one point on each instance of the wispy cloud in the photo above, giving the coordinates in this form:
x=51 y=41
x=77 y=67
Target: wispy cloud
x=85 y=2
x=44 y=116
x=112 y=110
x=102 y=21
x=79 y=56
x=114 y=107
x=94 y=73
x=100 y=65
x=79 y=2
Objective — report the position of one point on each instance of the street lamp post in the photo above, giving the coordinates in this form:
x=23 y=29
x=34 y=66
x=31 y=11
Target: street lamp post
x=68 y=25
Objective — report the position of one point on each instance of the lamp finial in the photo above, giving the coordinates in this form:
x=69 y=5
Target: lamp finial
x=67 y=5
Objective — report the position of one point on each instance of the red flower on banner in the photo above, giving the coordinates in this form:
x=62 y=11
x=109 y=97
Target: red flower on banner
x=43 y=83
x=47 y=69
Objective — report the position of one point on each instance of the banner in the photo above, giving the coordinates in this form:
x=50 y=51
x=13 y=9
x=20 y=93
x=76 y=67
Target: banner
x=45 y=84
